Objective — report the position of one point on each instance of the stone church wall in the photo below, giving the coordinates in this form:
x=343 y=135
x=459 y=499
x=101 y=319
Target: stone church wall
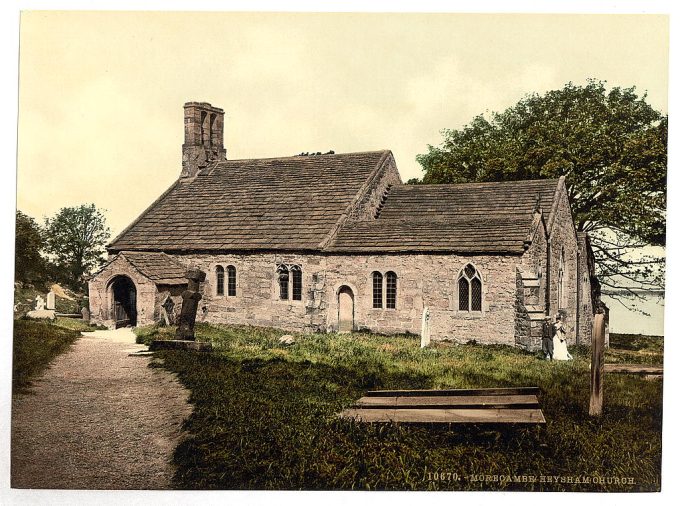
x=257 y=299
x=429 y=280
x=422 y=280
x=563 y=235
x=586 y=310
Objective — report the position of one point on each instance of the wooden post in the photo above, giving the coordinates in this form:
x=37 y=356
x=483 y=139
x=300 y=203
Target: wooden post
x=597 y=366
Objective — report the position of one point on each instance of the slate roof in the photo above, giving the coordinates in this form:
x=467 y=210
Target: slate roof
x=297 y=203
x=158 y=267
x=463 y=218
x=291 y=203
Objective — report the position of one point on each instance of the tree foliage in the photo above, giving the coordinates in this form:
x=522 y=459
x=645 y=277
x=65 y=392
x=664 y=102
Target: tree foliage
x=75 y=237
x=610 y=145
x=29 y=265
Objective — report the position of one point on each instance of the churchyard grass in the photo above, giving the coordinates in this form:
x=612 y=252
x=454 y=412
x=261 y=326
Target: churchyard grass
x=264 y=417
x=36 y=344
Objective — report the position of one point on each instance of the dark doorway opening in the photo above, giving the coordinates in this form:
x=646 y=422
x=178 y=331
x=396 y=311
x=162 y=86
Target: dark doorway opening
x=124 y=298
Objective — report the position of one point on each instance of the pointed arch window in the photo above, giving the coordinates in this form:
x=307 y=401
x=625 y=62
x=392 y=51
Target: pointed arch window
x=231 y=281
x=560 y=281
x=290 y=282
x=284 y=276
x=297 y=282
x=219 y=280
x=377 y=290
x=469 y=289
x=391 y=290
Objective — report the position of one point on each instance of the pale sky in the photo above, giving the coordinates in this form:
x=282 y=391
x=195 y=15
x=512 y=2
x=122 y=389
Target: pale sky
x=101 y=94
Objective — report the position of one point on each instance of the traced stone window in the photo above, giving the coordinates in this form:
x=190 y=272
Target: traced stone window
x=463 y=294
x=231 y=281
x=283 y=275
x=219 y=282
x=469 y=289
x=377 y=290
x=476 y=295
x=560 y=281
x=297 y=282
x=390 y=290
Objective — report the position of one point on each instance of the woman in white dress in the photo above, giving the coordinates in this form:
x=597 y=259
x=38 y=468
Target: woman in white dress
x=560 y=341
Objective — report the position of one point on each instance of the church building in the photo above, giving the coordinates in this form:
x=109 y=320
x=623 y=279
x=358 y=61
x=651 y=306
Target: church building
x=337 y=243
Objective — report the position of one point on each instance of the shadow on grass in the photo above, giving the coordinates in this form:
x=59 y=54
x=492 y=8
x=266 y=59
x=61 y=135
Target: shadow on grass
x=270 y=423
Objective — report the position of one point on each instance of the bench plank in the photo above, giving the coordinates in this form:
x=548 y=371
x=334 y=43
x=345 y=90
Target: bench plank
x=475 y=391
x=441 y=401
x=533 y=416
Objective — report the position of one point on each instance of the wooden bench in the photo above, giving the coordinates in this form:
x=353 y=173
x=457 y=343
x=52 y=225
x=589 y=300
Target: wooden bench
x=484 y=405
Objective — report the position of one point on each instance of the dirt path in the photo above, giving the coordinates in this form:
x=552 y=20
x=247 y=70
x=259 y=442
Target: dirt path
x=98 y=419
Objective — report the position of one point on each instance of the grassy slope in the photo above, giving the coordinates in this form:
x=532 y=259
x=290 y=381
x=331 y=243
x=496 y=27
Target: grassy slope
x=36 y=344
x=24 y=300
x=264 y=416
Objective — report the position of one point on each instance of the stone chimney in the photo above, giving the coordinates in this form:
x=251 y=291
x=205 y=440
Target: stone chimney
x=203 y=137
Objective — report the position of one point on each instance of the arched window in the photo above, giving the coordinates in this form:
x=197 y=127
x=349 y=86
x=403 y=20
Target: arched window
x=297 y=282
x=290 y=282
x=377 y=290
x=560 y=281
x=284 y=276
x=219 y=279
x=469 y=289
x=231 y=281
x=390 y=290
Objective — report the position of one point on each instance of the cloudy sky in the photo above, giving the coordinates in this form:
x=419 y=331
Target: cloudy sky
x=101 y=94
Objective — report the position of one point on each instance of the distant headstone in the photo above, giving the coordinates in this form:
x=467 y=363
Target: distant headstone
x=190 y=299
x=425 y=328
x=51 y=300
x=86 y=314
x=39 y=303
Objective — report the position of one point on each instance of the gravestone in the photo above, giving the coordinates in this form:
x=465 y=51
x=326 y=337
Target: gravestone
x=190 y=299
x=167 y=311
x=51 y=302
x=597 y=365
x=425 y=328
x=39 y=303
x=86 y=314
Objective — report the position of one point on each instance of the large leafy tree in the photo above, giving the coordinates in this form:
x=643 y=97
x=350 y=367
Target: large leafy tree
x=75 y=237
x=610 y=145
x=29 y=265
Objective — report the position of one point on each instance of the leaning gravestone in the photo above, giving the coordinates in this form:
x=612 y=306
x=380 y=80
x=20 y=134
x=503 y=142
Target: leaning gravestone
x=425 y=328
x=190 y=299
x=184 y=337
x=51 y=300
x=86 y=314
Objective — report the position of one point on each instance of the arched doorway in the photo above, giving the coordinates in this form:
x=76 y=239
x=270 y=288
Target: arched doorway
x=345 y=309
x=123 y=301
